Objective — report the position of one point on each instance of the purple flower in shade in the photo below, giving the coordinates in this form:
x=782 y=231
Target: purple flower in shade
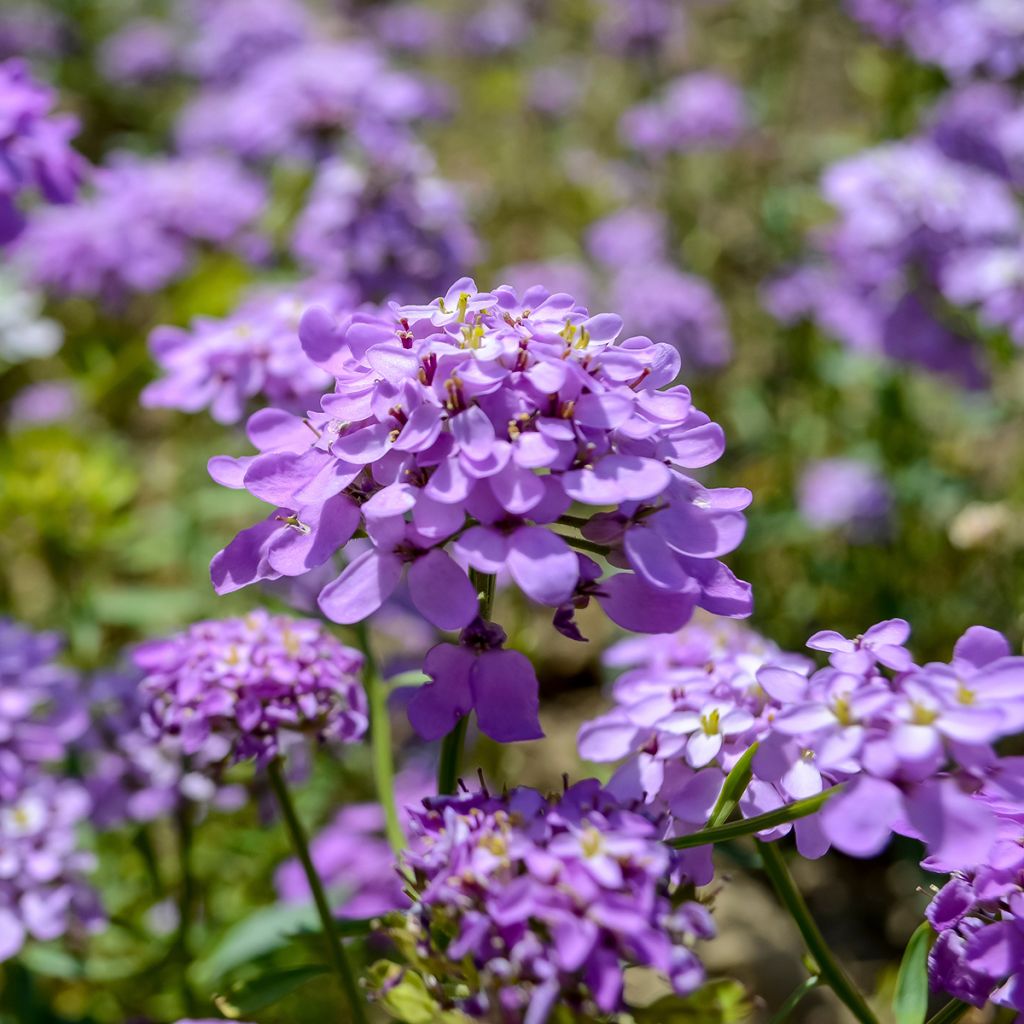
x=42 y=892
x=27 y=30
x=140 y=52
x=353 y=858
x=644 y=26
x=255 y=353
x=35 y=149
x=963 y=37
x=384 y=227
x=478 y=674
x=844 y=493
x=478 y=420
x=703 y=110
x=548 y=899
x=132 y=776
x=142 y=226
x=908 y=216
x=40 y=713
x=631 y=236
x=970 y=124
x=253 y=681
x=680 y=308
x=231 y=37
x=979 y=916
x=297 y=103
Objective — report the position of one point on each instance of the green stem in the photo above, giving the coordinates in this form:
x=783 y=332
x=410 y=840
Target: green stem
x=451 y=745
x=832 y=972
x=380 y=740
x=335 y=949
x=577 y=521
x=185 y=823
x=585 y=545
x=805 y=987
x=951 y=1012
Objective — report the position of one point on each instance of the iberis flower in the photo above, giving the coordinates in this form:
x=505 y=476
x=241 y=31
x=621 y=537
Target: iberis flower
x=254 y=353
x=461 y=433
x=525 y=902
x=42 y=893
x=254 y=681
x=35 y=151
x=40 y=713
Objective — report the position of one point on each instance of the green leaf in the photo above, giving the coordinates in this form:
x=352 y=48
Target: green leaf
x=735 y=786
x=719 y=1002
x=51 y=962
x=246 y=997
x=748 y=826
x=910 y=1000
x=403 y=994
x=263 y=931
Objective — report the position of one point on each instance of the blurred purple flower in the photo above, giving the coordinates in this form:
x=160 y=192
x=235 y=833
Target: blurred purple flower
x=385 y=227
x=410 y=26
x=52 y=401
x=28 y=30
x=567 y=891
x=496 y=26
x=35 y=148
x=844 y=492
x=140 y=51
x=560 y=275
x=253 y=681
x=628 y=237
x=644 y=26
x=702 y=110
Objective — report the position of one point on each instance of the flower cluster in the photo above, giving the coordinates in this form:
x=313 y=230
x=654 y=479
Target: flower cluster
x=846 y=493
x=142 y=51
x=911 y=744
x=962 y=37
x=298 y=102
x=142 y=226
x=35 y=150
x=39 y=711
x=916 y=229
x=255 y=352
x=386 y=227
x=524 y=902
x=477 y=421
x=640 y=26
x=698 y=111
x=42 y=894
x=251 y=681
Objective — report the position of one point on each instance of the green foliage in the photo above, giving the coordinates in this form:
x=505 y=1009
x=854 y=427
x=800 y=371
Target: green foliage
x=910 y=1000
x=718 y=1002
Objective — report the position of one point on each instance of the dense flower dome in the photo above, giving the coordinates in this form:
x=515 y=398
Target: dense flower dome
x=254 y=682
x=523 y=902
x=473 y=424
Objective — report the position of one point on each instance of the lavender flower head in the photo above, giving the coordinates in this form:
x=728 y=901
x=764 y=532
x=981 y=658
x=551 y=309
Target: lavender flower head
x=39 y=712
x=844 y=492
x=525 y=902
x=703 y=110
x=299 y=102
x=139 y=52
x=385 y=227
x=963 y=37
x=142 y=227
x=631 y=236
x=35 y=149
x=253 y=682
x=255 y=352
x=42 y=893
x=506 y=409
x=640 y=26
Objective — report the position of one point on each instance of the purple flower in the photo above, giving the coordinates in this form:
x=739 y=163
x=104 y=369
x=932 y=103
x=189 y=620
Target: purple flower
x=556 y=90
x=224 y=364
x=296 y=103
x=703 y=110
x=960 y=36
x=844 y=492
x=47 y=402
x=548 y=899
x=644 y=26
x=231 y=37
x=384 y=227
x=140 y=52
x=410 y=27
x=42 y=894
x=478 y=674
x=478 y=420
x=632 y=236
x=497 y=26
x=560 y=275
x=253 y=681
x=142 y=227
x=27 y=30
x=354 y=860
x=40 y=713
x=35 y=149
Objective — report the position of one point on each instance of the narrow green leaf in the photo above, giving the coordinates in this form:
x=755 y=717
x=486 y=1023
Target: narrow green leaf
x=950 y=1013
x=246 y=997
x=910 y=1000
x=748 y=826
x=735 y=786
